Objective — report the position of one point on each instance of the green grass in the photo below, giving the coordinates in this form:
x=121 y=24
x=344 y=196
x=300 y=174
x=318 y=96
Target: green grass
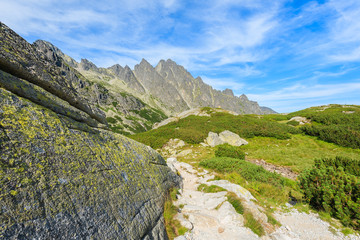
x=235 y=201
x=247 y=170
x=210 y=189
x=249 y=220
x=270 y=189
x=173 y=226
x=298 y=152
x=254 y=225
x=226 y=150
x=195 y=129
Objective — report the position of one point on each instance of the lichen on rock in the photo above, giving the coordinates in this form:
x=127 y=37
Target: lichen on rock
x=61 y=176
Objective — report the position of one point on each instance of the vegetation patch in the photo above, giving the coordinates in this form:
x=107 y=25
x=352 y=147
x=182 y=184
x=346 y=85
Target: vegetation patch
x=111 y=120
x=254 y=225
x=194 y=129
x=249 y=220
x=173 y=226
x=331 y=186
x=293 y=123
x=335 y=123
x=247 y=170
x=210 y=189
x=226 y=150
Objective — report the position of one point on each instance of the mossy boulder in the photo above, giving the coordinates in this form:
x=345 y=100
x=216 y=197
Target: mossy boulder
x=62 y=176
x=59 y=182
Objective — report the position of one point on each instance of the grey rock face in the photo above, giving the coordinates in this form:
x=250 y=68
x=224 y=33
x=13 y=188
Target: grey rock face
x=267 y=110
x=61 y=178
x=19 y=58
x=198 y=94
x=128 y=76
x=156 y=86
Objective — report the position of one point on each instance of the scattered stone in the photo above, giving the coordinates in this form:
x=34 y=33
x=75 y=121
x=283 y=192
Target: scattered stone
x=232 y=138
x=348 y=112
x=213 y=139
x=226 y=136
x=283 y=171
x=300 y=120
x=184 y=153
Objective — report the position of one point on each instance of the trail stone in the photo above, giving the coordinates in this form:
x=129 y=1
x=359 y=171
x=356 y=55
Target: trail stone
x=232 y=138
x=213 y=139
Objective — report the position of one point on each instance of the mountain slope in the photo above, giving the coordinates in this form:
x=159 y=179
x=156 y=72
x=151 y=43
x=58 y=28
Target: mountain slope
x=168 y=87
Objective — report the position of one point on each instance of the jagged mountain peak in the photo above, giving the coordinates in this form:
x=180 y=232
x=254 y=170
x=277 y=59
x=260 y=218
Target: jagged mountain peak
x=116 y=69
x=144 y=63
x=87 y=65
x=229 y=92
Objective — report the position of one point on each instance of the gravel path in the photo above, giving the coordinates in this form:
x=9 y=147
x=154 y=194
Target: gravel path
x=209 y=216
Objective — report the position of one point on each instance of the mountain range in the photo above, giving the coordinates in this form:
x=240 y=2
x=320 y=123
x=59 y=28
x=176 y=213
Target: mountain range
x=133 y=100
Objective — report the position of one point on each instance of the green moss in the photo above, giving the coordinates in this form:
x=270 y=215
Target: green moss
x=46 y=161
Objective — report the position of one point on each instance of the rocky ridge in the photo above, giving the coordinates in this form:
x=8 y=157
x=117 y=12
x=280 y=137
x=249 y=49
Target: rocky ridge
x=168 y=87
x=62 y=174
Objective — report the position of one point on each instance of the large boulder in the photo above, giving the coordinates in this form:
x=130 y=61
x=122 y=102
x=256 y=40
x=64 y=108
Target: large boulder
x=232 y=138
x=226 y=136
x=213 y=139
x=61 y=176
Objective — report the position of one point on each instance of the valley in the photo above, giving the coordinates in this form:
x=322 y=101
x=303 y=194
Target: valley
x=152 y=152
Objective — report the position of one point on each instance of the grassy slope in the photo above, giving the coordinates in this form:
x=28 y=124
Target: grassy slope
x=269 y=137
x=298 y=152
x=288 y=147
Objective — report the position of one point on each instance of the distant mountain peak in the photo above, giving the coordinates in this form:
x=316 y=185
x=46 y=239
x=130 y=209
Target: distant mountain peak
x=229 y=92
x=87 y=65
x=145 y=63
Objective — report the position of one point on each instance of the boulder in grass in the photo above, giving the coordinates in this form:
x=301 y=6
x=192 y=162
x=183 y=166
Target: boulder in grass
x=232 y=138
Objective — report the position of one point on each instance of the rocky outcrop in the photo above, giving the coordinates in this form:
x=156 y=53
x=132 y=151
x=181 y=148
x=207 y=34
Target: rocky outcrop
x=169 y=87
x=61 y=176
x=300 y=120
x=228 y=137
x=198 y=94
x=20 y=59
x=128 y=113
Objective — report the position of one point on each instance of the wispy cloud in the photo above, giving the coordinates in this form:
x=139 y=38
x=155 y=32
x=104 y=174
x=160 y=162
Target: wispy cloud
x=254 y=46
x=224 y=83
x=300 y=93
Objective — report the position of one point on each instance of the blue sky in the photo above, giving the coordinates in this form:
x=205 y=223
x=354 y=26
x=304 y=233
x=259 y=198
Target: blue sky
x=287 y=55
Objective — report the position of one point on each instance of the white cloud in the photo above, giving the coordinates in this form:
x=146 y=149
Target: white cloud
x=223 y=83
x=302 y=91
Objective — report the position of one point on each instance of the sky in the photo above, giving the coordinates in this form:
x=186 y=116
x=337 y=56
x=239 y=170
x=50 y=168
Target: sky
x=285 y=54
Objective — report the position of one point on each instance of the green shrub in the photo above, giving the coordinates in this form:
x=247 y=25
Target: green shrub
x=341 y=135
x=226 y=150
x=210 y=189
x=330 y=187
x=350 y=166
x=333 y=124
x=247 y=170
x=293 y=123
x=235 y=201
x=194 y=129
x=111 y=120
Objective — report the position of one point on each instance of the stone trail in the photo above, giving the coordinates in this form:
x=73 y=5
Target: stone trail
x=209 y=216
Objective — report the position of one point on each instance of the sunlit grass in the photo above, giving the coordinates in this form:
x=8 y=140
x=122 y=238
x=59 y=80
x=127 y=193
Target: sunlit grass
x=298 y=152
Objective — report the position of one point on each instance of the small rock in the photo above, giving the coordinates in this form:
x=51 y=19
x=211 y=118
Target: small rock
x=232 y=138
x=184 y=153
x=213 y=139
